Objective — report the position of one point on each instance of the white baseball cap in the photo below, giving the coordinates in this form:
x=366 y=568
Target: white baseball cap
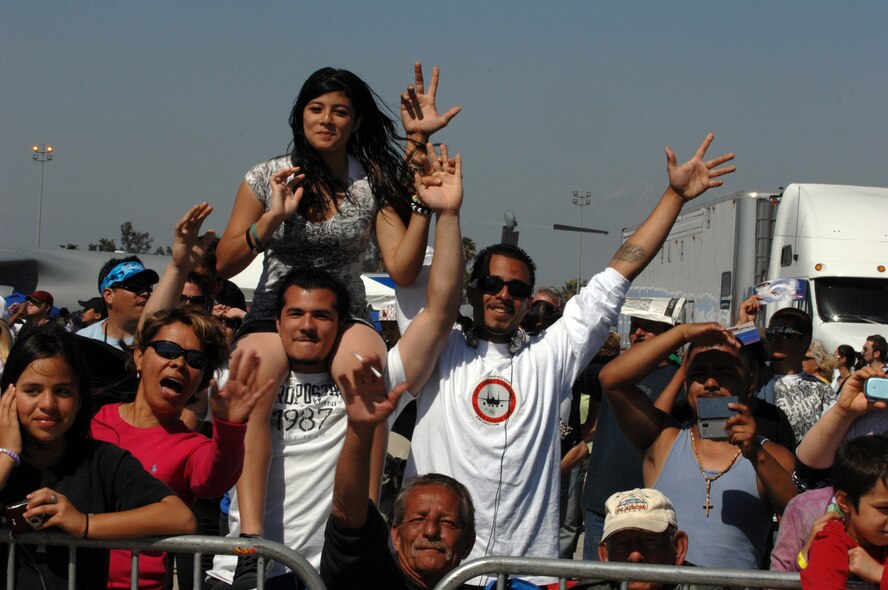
x=645 y=509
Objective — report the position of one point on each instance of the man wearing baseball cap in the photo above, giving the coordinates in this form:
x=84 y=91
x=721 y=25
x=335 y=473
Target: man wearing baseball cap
x=640 y=527
x=94 y=310
x=35 y=309
x=125 y=286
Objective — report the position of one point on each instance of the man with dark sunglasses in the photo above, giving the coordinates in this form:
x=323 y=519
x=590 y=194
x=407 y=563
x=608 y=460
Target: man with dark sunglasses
x=35 y=309
x=196 y=292
x=802 y=396
x=488 y=415
x=874 y=352
x=125 y=285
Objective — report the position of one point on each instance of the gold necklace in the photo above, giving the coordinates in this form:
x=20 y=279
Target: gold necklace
x=709 y=478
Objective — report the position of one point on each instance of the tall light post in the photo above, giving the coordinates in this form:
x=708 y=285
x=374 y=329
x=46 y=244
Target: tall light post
x=581 y=201
x=41 y=156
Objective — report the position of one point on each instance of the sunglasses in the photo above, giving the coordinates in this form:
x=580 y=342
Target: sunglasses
x=544 y=306
x=171 y=351
x=783 y=332
x=493 y=284
x=137 y=287
x=33 y=301
x=200 y=300
x=656 y=328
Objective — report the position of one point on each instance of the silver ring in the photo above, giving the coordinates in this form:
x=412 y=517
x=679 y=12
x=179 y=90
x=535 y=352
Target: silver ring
x=53 y=499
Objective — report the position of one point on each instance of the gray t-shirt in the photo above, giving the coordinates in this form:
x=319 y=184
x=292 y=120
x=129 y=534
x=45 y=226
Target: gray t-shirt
x=336 y=245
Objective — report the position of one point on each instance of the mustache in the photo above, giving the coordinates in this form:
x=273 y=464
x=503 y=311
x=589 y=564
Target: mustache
x=435 y=546
x=507 y=304
x=307 y=336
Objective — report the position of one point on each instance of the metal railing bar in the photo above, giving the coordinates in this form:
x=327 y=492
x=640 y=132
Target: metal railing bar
x=72 y=567
x=561 y=568
x=196 y=577
x=180 y=544
x=134 y=570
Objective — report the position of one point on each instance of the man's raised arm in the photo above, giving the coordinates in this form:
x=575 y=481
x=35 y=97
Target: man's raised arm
x=686 y=182
x=368 y=406
x=636 y=414
x=188 y=250
x=440 y=189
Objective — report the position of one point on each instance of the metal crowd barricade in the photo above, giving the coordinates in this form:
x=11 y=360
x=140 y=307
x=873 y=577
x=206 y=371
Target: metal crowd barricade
x=196 y=544
x=565 y=569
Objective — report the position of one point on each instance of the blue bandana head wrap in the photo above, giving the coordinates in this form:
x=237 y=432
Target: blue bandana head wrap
x=125 y=271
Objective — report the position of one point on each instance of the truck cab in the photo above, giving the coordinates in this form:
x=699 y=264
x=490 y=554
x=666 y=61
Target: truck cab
x=835 y=238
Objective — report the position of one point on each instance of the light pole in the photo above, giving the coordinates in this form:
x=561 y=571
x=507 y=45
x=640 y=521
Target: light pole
x=581 y=201
x=42 y=156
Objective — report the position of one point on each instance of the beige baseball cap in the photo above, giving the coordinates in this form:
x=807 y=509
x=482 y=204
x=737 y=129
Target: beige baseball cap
x=645 y=509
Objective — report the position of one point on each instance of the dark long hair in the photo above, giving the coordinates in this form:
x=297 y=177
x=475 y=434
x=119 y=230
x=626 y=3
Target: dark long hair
x=46 y=344
x=853 y=362
x=374 y=145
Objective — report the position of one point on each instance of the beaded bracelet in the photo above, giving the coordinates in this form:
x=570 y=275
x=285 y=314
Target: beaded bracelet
x=419 y=207
x=12 y=454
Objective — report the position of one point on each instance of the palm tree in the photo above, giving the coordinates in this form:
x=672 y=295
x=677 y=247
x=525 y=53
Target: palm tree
x=469 y=249
x=569 y=289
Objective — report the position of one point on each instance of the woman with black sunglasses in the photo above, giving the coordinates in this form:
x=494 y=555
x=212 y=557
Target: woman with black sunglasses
x=177 y=352
x=67 y=481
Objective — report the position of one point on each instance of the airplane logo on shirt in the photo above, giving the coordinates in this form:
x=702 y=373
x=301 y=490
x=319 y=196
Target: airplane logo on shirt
x=494 y=400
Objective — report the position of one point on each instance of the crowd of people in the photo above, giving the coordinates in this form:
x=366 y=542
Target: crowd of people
x=173 y=407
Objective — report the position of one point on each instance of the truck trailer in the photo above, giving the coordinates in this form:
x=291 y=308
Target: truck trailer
x=832 y=238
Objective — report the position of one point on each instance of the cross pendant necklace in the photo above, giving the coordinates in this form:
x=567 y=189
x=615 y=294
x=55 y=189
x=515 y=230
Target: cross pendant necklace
x=707 y=506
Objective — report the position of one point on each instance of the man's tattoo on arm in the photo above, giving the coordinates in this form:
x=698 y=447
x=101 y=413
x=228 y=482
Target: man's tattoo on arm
x=630 y=253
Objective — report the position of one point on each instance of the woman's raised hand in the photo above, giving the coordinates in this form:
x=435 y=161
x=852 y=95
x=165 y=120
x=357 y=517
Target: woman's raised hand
x=286 y=192
x=10 y=433
x=439 y=184
x=419 y=113
x=234 y=402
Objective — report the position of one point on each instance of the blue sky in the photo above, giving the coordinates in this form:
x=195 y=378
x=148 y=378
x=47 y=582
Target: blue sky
x=153 y=106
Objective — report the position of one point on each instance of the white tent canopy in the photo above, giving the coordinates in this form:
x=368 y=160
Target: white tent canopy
x=379 y=295
x=71 y=274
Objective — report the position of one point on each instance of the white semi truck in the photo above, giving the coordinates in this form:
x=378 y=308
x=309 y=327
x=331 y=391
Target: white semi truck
x=833 y=238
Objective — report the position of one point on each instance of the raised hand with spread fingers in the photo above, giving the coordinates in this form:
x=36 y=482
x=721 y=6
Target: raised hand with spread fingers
x=692 y=178
x=419 y=112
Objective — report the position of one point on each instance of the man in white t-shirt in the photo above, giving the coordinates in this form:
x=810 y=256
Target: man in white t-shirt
x=308 y=419
x=488 y=416
x=307 y=428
